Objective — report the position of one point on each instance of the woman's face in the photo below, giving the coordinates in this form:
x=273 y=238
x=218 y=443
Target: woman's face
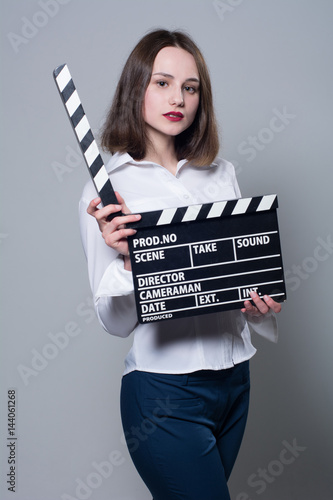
x=173 y=94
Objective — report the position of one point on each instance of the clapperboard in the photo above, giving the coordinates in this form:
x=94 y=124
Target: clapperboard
x=196 y=259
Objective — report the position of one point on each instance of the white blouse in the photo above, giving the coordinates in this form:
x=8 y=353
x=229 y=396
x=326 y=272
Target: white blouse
x=211 y=341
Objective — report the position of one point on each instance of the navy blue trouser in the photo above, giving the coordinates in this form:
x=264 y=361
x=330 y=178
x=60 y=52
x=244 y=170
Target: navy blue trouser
x=184 y=431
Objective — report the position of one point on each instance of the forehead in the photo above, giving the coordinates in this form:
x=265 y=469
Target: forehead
x=175 y=61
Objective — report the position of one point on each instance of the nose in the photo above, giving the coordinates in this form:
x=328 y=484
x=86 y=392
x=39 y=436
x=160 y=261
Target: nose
x=177 y=98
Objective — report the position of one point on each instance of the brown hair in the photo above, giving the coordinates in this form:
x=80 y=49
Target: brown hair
x=124 y=129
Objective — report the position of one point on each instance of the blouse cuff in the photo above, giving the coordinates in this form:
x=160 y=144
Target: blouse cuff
x=116 y=281
x=265 y=326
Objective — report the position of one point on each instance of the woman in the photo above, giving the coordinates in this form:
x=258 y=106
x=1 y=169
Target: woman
x=185 y=389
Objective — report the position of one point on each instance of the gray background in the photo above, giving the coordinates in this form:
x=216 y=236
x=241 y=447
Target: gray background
x=265 y=57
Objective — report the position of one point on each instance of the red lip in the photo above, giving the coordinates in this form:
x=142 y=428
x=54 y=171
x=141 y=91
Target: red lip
x=174 y=116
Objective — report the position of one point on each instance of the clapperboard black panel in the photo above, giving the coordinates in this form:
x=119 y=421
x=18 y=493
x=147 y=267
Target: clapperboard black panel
x=191 y=260
x=206 y=258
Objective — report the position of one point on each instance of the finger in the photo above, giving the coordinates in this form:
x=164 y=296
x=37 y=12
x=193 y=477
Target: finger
x=120 y=222
x=249 y=308
x=102 y=218
x=116 y=238
x=262 y=307
x=92 y=207
x=105 y=212
x=115 y=233
x=121 y=201
x=101 y=213
x=272 y=304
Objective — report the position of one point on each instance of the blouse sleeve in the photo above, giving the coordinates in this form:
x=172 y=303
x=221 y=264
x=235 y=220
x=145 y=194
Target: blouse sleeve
x=266 y=326
x=112 y=285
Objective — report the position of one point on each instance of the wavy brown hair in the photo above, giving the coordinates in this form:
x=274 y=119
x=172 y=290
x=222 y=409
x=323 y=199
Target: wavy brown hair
x=125 y=130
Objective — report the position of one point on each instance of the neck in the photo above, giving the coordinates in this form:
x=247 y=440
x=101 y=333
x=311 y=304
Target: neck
x=162 y=151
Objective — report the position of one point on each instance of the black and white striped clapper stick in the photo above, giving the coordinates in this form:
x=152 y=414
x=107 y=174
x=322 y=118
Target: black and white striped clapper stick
x=207 y=211
x=85 y=136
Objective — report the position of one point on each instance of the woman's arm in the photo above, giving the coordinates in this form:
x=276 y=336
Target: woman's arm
x=114 y=232
x=261 y=316
x=106 y=249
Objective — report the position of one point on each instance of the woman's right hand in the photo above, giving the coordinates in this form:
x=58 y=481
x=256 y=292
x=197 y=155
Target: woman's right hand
x=114 y=231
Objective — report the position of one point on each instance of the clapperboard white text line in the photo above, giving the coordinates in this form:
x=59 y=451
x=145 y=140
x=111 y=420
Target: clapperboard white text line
x=234 y=245
x=191 y=256
x=211 y=304
x=188 y=282
x=196 y=294
x=211 y=265
x=202 y=242
x=200 y=292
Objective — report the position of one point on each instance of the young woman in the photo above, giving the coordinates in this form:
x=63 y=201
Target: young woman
x=185 y=389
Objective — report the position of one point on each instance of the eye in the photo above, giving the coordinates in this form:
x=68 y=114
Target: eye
x=162 y=83
x=190 y=90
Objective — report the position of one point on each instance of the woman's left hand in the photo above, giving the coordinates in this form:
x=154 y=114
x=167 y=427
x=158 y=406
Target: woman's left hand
x=260 y=307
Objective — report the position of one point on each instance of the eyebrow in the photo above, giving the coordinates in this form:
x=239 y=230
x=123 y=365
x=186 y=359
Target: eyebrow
x=191 y=79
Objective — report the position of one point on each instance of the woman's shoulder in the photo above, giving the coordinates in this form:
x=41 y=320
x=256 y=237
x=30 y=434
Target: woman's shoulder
x=223 y=164
x=221 y=168
x=218 y=164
